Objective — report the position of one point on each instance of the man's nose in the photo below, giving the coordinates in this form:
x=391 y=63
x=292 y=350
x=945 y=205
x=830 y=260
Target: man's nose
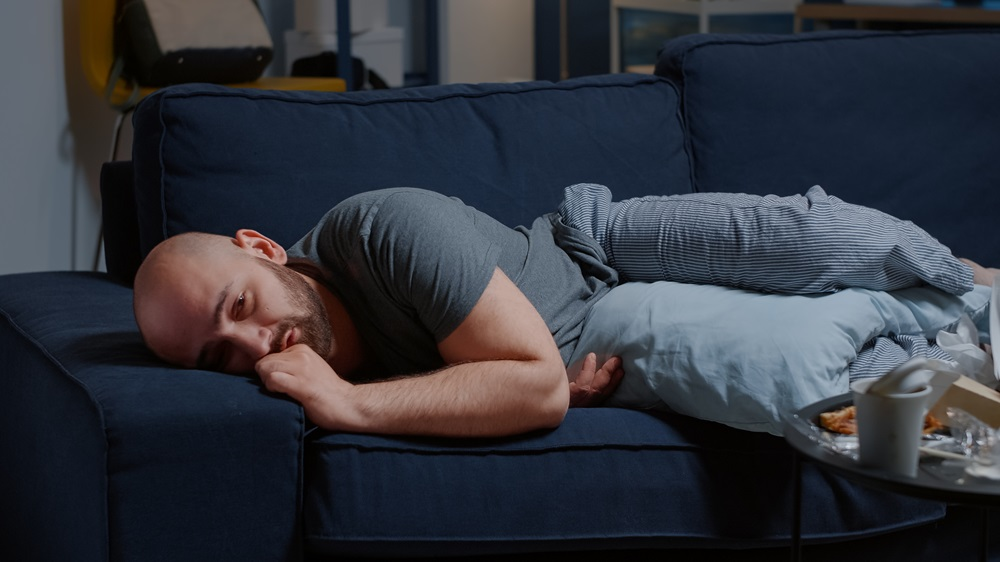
x=253 y=341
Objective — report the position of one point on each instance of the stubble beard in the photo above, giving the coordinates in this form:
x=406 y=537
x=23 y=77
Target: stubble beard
x=313 y=324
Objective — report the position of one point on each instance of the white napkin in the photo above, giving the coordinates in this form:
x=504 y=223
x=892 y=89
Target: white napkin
x=969 y=358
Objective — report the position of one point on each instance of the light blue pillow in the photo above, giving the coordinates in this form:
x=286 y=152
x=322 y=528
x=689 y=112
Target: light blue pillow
x=747 y=359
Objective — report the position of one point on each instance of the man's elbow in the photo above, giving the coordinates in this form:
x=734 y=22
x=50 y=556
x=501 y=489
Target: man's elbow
x=554 y=416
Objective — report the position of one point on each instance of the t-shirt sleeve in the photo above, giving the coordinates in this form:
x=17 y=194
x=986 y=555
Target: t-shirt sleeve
x=420 y=249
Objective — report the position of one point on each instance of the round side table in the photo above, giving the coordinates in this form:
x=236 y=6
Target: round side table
x=936 y=479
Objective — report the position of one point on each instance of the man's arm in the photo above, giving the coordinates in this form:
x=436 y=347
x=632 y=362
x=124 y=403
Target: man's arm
x=504 y=376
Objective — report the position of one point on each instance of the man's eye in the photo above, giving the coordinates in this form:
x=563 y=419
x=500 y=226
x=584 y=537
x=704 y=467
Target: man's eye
x=238 y=305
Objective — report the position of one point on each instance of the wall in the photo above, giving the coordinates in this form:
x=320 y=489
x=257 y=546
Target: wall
x=55 y=132
x=53 y=135
x=487 y=40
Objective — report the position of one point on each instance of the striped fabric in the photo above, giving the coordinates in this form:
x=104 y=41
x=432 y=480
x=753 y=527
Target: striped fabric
x=883 y=354
x=801 y=244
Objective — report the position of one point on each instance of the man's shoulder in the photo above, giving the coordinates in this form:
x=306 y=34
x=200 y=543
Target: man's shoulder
x=367 y=223
x=393 y=198
x=398 y=209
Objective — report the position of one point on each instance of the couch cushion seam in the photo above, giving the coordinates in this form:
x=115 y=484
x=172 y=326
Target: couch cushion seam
x=840 y=36
x=235 y=93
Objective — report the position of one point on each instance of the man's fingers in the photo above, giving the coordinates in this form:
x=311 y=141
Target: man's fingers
x=576 y=396
x=616 y=379
x=582 y=390
x=586 y=376
x=615 y=372
x=593 y=385
x=605 y=377
x=287 y=372
x=612 y=364
x=283 y=372
x=581 y=397
x=278 y=381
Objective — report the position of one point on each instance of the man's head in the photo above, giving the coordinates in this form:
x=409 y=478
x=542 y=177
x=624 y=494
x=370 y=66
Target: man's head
x=219 y=303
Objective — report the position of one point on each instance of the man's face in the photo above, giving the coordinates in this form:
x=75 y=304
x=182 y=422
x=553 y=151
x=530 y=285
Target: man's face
x=225 y=312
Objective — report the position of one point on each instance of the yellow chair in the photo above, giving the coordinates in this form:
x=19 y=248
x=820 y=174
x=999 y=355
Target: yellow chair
x=97 y=22
x=97 y=55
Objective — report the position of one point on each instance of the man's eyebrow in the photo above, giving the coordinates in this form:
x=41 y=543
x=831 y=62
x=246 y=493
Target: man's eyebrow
x=202 y=361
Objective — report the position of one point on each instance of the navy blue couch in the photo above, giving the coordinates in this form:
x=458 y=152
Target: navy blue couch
x=108 y=454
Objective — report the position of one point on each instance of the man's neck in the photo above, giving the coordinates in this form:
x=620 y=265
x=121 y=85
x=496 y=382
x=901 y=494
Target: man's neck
x=348 y=354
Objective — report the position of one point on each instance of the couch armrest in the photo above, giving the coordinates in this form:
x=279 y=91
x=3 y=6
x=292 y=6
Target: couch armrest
x=110 y=454
x=121 y=228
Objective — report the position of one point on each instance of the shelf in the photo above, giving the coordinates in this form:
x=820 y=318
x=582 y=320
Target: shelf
x=704 y=9
x=863 y=13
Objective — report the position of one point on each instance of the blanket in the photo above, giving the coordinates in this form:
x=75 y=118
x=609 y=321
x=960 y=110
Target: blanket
x=748 y=359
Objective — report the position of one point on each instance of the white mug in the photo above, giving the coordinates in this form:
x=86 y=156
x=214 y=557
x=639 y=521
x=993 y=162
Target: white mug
x=890 y=427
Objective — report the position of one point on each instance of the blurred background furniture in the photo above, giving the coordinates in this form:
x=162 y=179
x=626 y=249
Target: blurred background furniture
x=918 y=15
x=705 y=10
x=97 y=55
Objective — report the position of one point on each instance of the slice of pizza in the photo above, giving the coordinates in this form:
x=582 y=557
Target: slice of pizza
x=843 y=421
x=840 y=421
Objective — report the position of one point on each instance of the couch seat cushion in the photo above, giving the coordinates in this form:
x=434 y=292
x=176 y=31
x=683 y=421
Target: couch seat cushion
x=662 y=481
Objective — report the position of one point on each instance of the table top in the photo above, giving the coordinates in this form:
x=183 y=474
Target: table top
x=937 y=479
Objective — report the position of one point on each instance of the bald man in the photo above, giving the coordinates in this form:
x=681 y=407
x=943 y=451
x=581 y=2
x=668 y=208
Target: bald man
x=461 y=326
x=459 y=351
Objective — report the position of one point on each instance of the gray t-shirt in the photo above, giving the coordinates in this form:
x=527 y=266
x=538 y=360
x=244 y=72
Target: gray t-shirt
x=410 y=264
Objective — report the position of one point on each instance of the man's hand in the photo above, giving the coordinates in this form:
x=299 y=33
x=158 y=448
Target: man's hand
x=305 y=376
x=592 y=386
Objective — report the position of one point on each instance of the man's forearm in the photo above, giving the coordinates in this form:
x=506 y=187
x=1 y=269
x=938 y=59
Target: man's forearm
x=483 y=398
x=477 y=394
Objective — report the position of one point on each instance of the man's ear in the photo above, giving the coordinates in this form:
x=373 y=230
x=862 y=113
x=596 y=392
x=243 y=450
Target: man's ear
x=256 y=244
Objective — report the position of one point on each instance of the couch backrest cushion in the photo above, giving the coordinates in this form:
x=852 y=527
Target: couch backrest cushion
x=217 y=159
x=907 y=122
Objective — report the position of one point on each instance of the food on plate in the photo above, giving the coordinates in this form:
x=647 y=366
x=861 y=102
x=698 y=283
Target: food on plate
x=839 y=421
x=843 y=421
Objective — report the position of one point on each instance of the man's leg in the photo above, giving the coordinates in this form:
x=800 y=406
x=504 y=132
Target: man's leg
x=981 y=275
x=803 y=244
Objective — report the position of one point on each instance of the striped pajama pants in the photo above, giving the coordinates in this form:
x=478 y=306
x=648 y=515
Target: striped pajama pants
x=802 y=244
